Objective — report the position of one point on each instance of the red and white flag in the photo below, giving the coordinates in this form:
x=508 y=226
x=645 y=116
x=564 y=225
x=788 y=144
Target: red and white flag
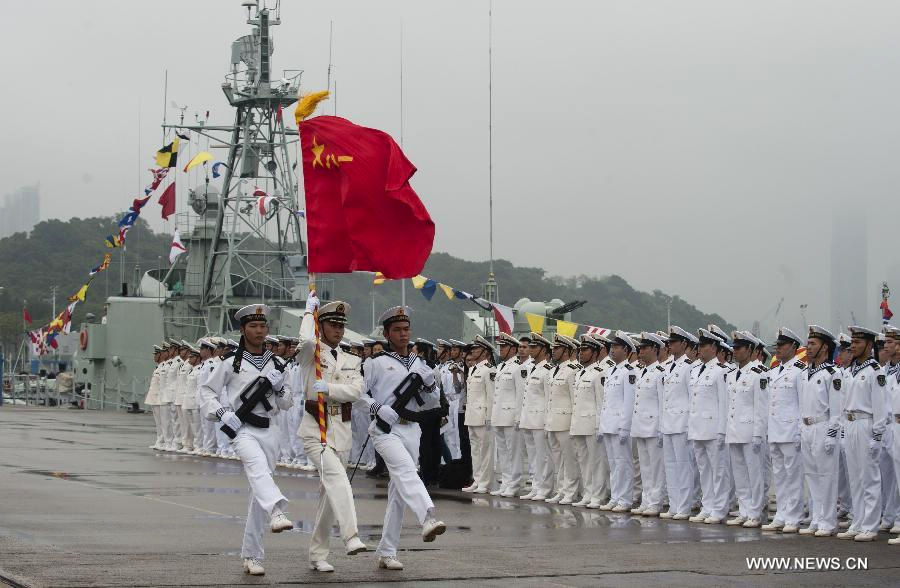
x=177 y=247
x=504 y=317
x=597 y=331
x=263 y=201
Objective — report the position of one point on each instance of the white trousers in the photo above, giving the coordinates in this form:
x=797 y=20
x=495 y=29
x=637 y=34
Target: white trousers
x=594 y=465
x=359 y=426
x=189 y=430
x=748 y=471
x=895 y=451
x=178 y=430
x=636 y=487
x=787 y=472
x=450 y=431
x=539 y=460
x=652 y=472
x=510 y=448
x=481 y=439
x=209 y=434
x=568 y=474
x=295 y=417
x=713 y=477
x=400 y=451
x=845 y=502
x=820 y=470
x=256 y=449
x=335 y=499
x=679 y=466
x=621 y=469
x=864 y=473
x=890 y=497
x=167 y=420
x=157 y=422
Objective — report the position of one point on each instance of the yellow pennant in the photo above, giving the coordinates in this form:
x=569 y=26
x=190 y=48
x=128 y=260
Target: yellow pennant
x=566 y=328
x=535 y=322
x=418 y=282
x=447 y=290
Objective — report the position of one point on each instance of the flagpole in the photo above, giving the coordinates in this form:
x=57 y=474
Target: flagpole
x=402 y=282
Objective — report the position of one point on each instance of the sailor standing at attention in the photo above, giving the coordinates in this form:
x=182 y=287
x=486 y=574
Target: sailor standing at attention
x=615 y=423
x=648 y=399
x=152 y=398
x=387 y=372
x=342 y=384
x=509 y=391
x=479 y=398
x=256 y=437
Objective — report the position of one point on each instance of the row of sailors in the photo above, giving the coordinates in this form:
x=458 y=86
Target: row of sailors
x=174 y=398
x=676 y=418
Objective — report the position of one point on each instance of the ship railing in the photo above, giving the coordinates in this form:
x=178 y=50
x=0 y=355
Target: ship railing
x=288 y=85
x=118 y=394
x=32 y=390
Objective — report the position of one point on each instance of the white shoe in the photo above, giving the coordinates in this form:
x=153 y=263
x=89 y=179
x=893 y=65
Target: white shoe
x=566 y=500
x=666 y=515
x=751 y=523
x=848 y=534
x=253 y=567
x=824 y=533
x=894 y=541
x=594 y=505
x=788 y=529
x=699 y=518
x=713 y=520
x=608 y=506
x=807 y=531
x=480 y=491
x=496 y=492
x=844 y=525
x=582 y=502
x=681 y=516
x=621 y=508
x=738 y=520
x=775 y=525
x=866 y=536
x=280 y=523
x=553 y=499
x=637 y=510
x=734 y=513
x=895 y=528
x=470 y=488
x=508 y=494
x=354 y=545
x=432 y=529
x=650 y=512
x=527 y=496
x=321 y=566
x=539 y=497
x=389 y=563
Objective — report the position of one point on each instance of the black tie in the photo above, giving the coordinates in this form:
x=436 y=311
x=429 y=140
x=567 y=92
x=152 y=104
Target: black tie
x=334 y=353
x=672 y=367
x=738 y=376
x=702 y=367
x=644 y=373
x=780 y=369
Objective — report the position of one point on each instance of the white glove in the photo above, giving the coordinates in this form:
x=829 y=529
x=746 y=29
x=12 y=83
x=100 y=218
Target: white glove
x=623 y=436
x=276 y=378
x=757 y=444
x=829 y=445
x=320 y=386
x=388 y=415
x=659 y=440
x=874 y=448
x=599 y=436
x=231 y=419
x=428 y=379
x=312 y=303
x=721 y=440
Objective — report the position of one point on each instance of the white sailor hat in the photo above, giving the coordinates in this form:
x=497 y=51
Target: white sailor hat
x=232 y=343
x=622 y=338
x=602 y=340
x=206 y=342
x=345 y=344
x=564 y=341
x=335 y=312
x=157 y=349
x=785 y=335
x=743 y=338
x=368 y=342
x=857 y=331
x=822 y=333
x=589 y=341
x=880 y=338
x=482 y=342
x=185 y=344
x=844 y=340
x=539 y=339
x=164 y=346
x=718 y=332
x=174 y=343
x=525 y=337
x=456 y=343
x=252 y=313
x=220 y=341
x=420 y=342
x=442 y=343
x=507 y=339
x=271 y=339
x=395 y=314
x=193 y=350
x=648 y=338
x=726 y=347
x=891 y=332
x=663 y=336
x=705 y=336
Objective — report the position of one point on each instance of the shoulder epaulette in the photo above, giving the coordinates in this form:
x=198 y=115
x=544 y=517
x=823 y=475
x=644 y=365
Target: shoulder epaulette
x=379 y=354
x=599 y=368
x=575 y=365
x=764 y=368
x=689 y=361
x=628 y=366
x=517 y=362
x=830 y=369
x=756 y=369
x=660 y=368
x=800 y=364
x=723 y=365
x=227 y=355
x=548 y=366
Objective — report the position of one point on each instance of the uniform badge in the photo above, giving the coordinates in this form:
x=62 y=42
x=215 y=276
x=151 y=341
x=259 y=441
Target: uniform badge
x=632 y=379
x=836 y=383
x=603 y=380
x=881 y=380
x=493 y=375
x=523 y=373
x=763 y=382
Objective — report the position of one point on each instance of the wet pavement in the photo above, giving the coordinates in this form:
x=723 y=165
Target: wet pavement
x=83 y=502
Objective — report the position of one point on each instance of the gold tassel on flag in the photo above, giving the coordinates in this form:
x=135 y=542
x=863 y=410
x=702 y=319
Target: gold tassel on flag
x=307 y=105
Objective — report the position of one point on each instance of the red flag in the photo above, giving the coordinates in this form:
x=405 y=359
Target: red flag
x=26 y=316
x=504 y=317
x=167 y=200
x=361 y=212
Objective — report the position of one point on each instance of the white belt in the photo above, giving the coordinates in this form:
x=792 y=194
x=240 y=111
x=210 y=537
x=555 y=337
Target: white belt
x=814 y=420
x=857 y=415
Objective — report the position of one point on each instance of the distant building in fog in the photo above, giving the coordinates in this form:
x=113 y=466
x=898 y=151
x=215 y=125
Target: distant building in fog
x=20 y=211
x=850 y=301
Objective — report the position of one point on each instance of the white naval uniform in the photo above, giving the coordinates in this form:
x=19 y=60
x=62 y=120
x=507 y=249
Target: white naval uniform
x=153 y=401
x=706 y=429
x=648 y=399
x=184 y=368
x=893 y=392
x=509 y=392
x=677 y=450
x=450 y=431
x=167 y=398
x=558 y=421
x=747 y=420
x=190 y=405
x=255 y=446
x=890 y=496
x=294 y=380
x=531 y=423
x=400 y=447
x=615 y=424
x=865 y=416
x=207 y=426
x=345 y=384
x=586 y=443
x=784 y=440
x=479 y=397
x=820 y=423
x=360 y=418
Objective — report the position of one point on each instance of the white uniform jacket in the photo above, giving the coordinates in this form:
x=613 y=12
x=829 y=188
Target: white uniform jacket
x=648 y=397
x=509 y=391
x=535 y=403
x=784 y=401
x=676 y=405
x=588 y=395
x=223 y=377
x=708 y=401
x=865 y=392
x=618 y=399
x=747 y=404
x=152 y=398
x=561 y=397
x=480 y=394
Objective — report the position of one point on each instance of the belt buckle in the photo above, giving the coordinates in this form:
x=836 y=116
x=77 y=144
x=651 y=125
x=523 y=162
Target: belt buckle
x=807 y=421
x=851 y=417
x=897 y=418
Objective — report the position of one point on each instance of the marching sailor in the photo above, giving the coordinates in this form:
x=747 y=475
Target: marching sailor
x=342 y=384
x=252 y=369
x=398 y=445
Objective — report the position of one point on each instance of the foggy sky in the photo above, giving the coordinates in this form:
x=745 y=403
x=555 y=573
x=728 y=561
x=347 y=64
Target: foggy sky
x=698 y=147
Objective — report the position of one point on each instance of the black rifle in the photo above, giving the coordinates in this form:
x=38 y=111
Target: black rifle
x=410 y=389
x=258 y=391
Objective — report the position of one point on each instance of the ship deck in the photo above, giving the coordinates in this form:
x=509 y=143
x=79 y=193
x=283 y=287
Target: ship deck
x=83 y=502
